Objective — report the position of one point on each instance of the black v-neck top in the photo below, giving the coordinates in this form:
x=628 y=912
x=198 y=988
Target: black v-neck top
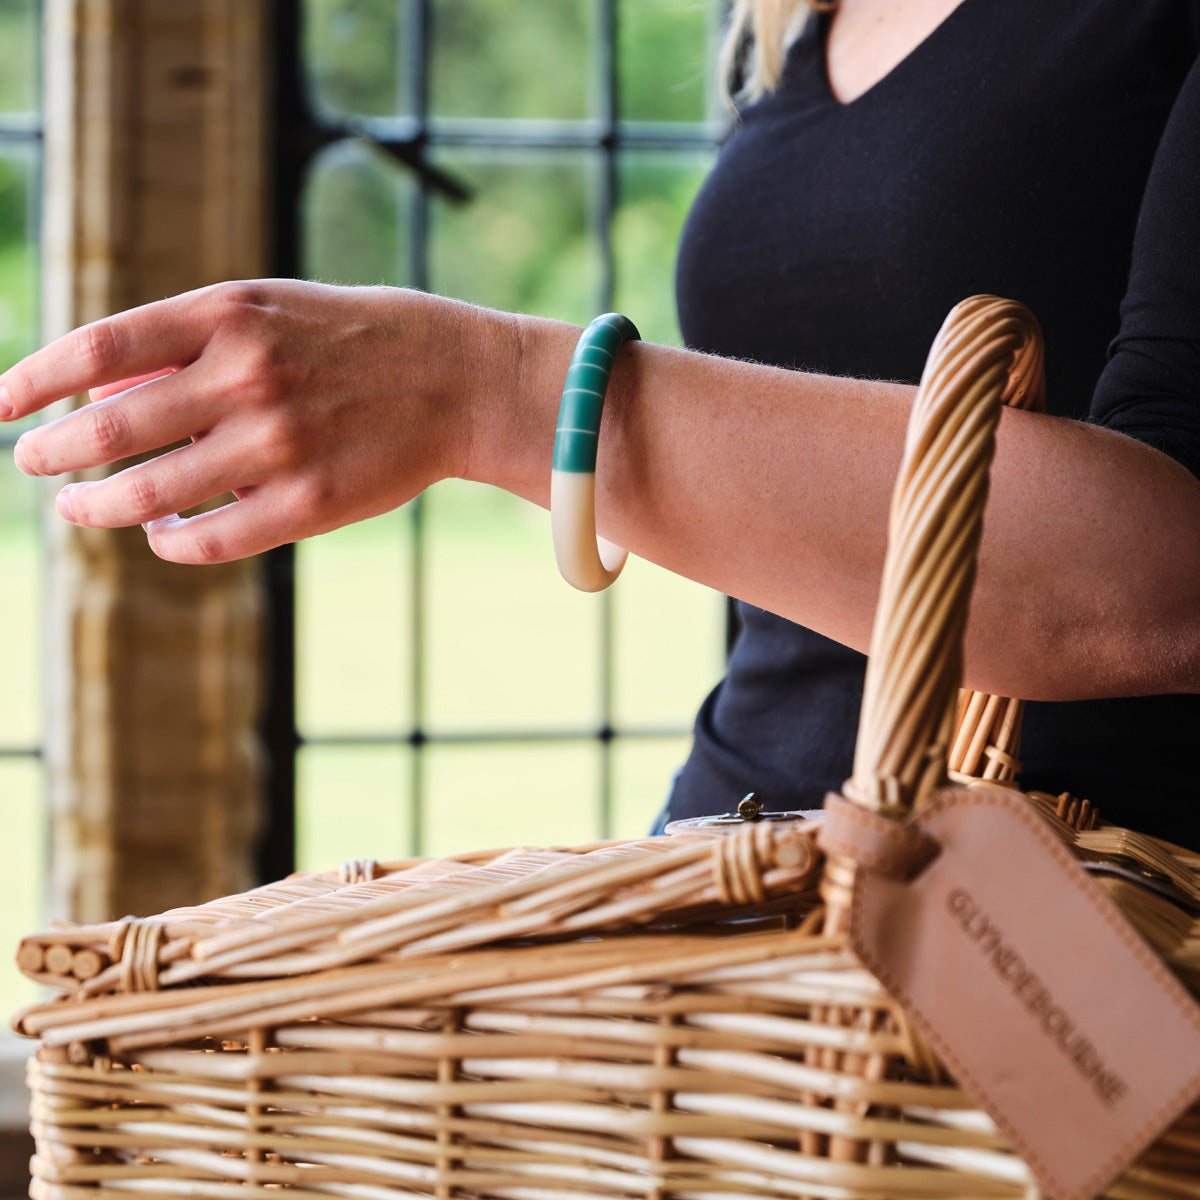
x=1011 y=152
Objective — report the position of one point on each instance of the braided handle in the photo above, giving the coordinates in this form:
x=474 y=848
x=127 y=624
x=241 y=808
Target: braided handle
x=987 y=728
x=988 y=352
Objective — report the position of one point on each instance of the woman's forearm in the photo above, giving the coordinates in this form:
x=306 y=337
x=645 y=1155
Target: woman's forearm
x=773 y=486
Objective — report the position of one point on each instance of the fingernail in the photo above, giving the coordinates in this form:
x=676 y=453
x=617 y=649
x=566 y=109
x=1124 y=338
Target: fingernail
x=6 y=408
x=62 y=503
x=20 y=459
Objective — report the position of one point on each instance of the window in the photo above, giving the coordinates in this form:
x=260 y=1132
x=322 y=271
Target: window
x=451 y=691
x=20 y=574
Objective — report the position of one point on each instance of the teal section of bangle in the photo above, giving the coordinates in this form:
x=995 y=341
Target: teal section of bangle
x=578 y=432
x=586 y=561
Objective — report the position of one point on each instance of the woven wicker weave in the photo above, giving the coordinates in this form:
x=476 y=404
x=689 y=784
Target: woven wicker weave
x=593 y=1021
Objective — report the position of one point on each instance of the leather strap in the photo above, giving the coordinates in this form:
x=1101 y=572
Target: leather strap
x=880 y=844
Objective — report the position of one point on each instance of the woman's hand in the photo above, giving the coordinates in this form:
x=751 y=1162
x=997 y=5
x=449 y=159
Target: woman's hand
x=315 y=406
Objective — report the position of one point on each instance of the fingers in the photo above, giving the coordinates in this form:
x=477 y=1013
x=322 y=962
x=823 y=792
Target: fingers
x=142 y=341
x=125 y=385
x=168 y=484
x=238 y=530
x=134 y=421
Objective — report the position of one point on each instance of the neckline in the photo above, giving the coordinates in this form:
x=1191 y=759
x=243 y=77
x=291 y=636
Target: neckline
x=821 y=26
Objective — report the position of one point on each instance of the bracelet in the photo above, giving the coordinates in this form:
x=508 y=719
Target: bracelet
x=585 y=560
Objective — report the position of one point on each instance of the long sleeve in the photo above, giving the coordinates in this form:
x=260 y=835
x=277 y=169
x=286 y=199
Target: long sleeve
x=1150 y=388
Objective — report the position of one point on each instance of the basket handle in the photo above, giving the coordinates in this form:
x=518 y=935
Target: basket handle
x=987 y=729
x=988 y=352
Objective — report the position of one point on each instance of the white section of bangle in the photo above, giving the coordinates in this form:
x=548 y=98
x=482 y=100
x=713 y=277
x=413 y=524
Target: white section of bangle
x=585 y=560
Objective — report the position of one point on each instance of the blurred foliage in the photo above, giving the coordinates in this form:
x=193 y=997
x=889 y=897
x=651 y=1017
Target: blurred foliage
x=523 y=243
x=655 y=189
x=536 y=60
x=530 y=239
x=357 y=214
x=354 y=57
x=494 y=58
x=527 y=242
x=18 y=253
x=665 y=60
x=18 y=267
x=18 y=63
x=18 y=98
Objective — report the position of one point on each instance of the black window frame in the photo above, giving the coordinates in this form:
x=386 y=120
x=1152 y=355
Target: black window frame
x=299 y=135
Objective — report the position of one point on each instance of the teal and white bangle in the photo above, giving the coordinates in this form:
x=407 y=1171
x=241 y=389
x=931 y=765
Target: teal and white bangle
x=585 y=560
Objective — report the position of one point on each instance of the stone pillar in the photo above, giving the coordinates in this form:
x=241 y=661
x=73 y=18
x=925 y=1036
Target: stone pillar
x=155 y=183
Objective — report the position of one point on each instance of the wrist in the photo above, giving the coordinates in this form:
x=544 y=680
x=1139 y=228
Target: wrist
x=516 y=409
x=491 y=357
x=451 y=359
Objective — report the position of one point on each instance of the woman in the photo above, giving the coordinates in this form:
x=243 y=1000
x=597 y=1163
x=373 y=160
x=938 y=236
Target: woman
x=902 y=156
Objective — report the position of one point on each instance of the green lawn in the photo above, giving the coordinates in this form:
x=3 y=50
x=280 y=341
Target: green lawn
x=24 y=839
x=507 y=646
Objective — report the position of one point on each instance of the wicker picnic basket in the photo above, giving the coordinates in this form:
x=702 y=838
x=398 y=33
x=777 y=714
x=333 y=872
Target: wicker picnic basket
x=674 y=1017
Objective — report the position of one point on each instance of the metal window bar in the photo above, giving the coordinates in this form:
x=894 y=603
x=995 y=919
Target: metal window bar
x=300 y=135
x=26 y=129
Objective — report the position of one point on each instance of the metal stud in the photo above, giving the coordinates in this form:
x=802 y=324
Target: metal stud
x=750 y=807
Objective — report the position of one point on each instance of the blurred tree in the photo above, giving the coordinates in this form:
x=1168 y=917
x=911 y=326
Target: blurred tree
x=524 y=242
x=18 y=97
x=533 y=60
x=528 y=240
x=18 y=280
x=353 y=50
x=664 y=57
x=18 y=69
x=357 y=210
x=655 y=191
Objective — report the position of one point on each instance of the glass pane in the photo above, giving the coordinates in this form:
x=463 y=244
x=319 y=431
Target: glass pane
x=665 y=59
x=23 y=873
x=524 y=242
x=23 y=877
x=480 y=797
x=357 y=216
x=18 y=50
x=20 y=579
x=642 y=775
x=669 y=647
x=351 y=802
x=497 y=58
x=18 y=255
x=354 y=55
x=508 y=644
x=20 y=596
x=656 y=190
x=353 y=622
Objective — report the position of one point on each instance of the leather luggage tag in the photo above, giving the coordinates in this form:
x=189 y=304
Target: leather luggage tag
x=1044 y=1003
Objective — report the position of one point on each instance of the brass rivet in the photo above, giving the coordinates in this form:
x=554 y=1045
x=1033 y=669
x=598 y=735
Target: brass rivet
x=750 y=806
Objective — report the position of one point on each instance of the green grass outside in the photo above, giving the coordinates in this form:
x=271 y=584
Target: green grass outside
x=23 y=841
x=508 y=646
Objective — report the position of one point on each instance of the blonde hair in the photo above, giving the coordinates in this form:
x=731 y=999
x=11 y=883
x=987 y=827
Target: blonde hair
x=756 y=43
